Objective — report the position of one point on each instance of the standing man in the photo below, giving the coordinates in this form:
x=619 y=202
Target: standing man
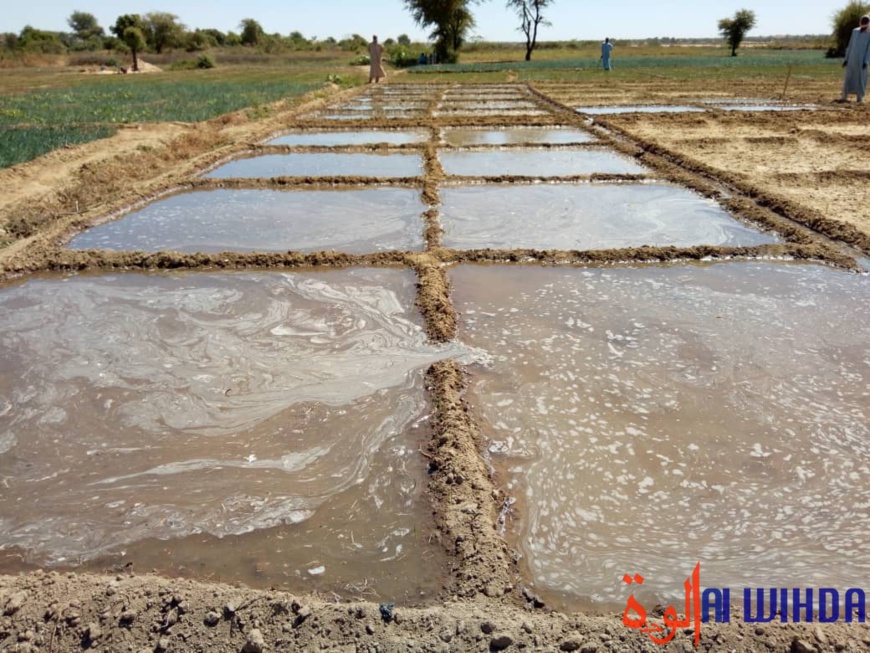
x=606 y=49
x=376 y=60
x=857 y=58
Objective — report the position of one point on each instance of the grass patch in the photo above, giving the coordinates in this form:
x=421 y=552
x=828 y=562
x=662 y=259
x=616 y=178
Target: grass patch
x=20 y=144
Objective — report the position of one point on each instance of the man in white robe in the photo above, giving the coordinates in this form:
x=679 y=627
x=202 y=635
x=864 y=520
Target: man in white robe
x=857 y=58
x=376 y=59
x=606 y=49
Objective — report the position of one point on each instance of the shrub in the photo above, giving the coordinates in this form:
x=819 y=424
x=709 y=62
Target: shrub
x=205 y=61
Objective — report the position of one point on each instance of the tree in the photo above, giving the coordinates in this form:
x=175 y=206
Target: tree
x=450 y=19
x=85 y=26
x=252 y=32
x=531 y=16
x=37 y=40
x=734 y=29
x=162 y=31
x=843 y=22
x=130 y=29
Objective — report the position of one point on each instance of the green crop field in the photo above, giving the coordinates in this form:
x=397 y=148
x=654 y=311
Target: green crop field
x=77 y=109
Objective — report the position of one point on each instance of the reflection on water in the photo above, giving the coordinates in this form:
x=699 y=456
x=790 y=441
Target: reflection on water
x=537 y=163
x=586 y=217
x=161 y=407
x=649 y=418
x=338 y=138
x=600 y=111
x=312 y=164
x=505 y=136
x=351 y=221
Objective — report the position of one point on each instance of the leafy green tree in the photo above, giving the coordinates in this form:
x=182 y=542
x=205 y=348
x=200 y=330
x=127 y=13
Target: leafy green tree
x=130 y=28
x=86 y=31
x=36 y=40
x=450 y=21
x=163 y=31
x=252 y=32
x=843 y=22
x=733 y=30
x=531 y=16
x=404 y=39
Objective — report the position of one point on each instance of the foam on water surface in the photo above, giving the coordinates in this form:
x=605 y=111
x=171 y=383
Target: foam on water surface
x=649 y=418
x=143 y=408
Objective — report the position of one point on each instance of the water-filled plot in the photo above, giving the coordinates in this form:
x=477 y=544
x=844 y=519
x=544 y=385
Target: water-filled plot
x=351 y=221
x=487 y=105
x=138 y=410
x=537 y=163
x=488 y=113
x=600 y=111
x=342 y=138
x=586 y=216
x=315 y=164
x=743 y=104
x=648 y=418
x=465 y=137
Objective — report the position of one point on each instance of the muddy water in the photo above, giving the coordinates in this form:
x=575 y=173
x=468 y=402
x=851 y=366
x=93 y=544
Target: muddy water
x=472 y=113
x=486 y=106
x=356 y=222
x=649 y=418
x=339 y=138
x=257 y=408
x=637 y=109
x=537 y=163
x=510 y=136
x=321 y=165
x=586 y=217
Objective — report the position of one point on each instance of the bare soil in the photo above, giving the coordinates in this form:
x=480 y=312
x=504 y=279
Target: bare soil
x=485 y=605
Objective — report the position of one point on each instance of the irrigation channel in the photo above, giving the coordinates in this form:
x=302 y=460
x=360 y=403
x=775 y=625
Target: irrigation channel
x=438 y=342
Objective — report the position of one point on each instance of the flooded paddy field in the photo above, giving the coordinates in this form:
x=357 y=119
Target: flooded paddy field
x=141 y=411
x=645 y=417
x=338 y=138
x=502 y=341
x=353 y=221
x=537 y=163
x=458 y=137
x=315 y=164
x=563 y=216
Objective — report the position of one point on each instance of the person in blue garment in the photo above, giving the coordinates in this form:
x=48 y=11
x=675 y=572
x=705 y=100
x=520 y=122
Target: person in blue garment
x=606 y=49
x=857 y=58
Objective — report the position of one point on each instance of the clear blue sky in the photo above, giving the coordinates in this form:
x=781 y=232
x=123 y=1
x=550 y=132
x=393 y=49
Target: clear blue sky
x=571 y=19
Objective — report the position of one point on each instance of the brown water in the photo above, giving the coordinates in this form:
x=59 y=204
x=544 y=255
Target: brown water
x=315 y=164
x=586 y=216
x=649 y=418
x=152 y=415
x=515 y=135
x=352 y=221
x=537 y=163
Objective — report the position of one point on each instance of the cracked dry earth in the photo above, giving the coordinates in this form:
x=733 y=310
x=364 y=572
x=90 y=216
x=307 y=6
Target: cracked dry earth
x=448 y=405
